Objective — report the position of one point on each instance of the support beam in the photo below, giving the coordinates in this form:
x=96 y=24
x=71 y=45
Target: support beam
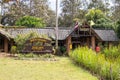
x=88 y=42
x=93 y=42
x=109 y=44
x=5 y=45
x=68 y=43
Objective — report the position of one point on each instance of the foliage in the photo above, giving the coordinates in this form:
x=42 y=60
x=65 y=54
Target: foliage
x=94 y=14
x=30 y=21
x=116 y=10
x=29 y=55
x=99 y=4
x=96 y=63
x=22 y=38
x=63 y=49
x=70 y=10
x=8 y=20
x=33 y=56
x=118 y=28
x=101 y=21
x=112 y=53
x=13 y=50
x=104 y=26
x=48 y=56
x=20 y=8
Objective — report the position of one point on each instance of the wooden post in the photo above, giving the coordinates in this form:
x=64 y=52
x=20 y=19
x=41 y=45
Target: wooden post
x=109 y=44
x=68 y=43
x=88 y=42
x=5 y=45
x=93 y=42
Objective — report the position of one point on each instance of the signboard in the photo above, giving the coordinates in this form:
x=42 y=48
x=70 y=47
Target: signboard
x=70 y=46
x=84 y=29
x=38 y=45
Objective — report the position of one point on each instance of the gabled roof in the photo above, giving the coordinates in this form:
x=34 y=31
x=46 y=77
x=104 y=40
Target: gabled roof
x=106 y=34
x=62 y=33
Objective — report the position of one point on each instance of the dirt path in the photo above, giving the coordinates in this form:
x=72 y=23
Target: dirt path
x=3 y=54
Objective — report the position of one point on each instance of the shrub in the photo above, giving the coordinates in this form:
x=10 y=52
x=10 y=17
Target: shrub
x=112 y=53
x=29 y=55
x=63 y=49
x=47 y=56
x=96 y=63
x=13 y=50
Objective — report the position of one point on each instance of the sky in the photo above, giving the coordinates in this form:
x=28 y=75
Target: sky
x=52 y=4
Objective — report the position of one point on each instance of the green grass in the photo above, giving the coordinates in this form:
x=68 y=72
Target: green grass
x=63 y=69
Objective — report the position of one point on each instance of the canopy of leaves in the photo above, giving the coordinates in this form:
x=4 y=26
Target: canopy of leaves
x=99 y=18
x=30 y=21
x=99 y=4
x=70 y=10
x=104 y=23
x=20 y=8
x=94 y=14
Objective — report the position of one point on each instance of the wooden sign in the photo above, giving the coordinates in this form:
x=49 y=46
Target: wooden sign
x=70 y=46
x=38 y=45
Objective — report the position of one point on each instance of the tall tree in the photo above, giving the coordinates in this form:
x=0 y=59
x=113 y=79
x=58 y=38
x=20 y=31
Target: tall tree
x=116 y=12
x=69 y=11
x=99 y=18
x=99 y=4
x=36 y=8
x=94 y=14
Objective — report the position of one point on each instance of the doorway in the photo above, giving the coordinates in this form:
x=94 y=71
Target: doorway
x=1 y=43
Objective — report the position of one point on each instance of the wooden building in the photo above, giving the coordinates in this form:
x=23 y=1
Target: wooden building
x=6 y=41
x=68 y=37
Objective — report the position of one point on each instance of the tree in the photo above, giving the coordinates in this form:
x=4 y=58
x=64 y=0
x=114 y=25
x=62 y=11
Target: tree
x=116 y=10
x=69 y=12
x=94 y=14
x=37 y=8
x=50 y=22
x=99 y=4
x=40 y=9
x=99 y=18
x=30 y=21
x=8 y=20
x=118 y=28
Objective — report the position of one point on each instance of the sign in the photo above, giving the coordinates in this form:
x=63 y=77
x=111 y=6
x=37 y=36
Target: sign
x=39 y=40
x=38 y=45
x=84 y=29
x=70 y=46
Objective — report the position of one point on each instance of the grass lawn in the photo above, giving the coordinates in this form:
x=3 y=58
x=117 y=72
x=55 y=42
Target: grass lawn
x=63 y=69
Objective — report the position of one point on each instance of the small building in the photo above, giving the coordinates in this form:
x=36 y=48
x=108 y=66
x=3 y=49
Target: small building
x=68 y=37
x=6 y=41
